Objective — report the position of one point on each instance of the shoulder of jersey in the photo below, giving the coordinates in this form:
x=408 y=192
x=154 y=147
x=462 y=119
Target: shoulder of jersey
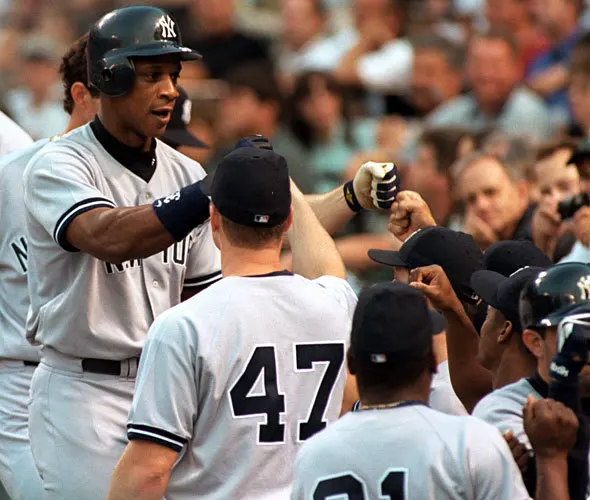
x=175 y=154
x=22 y=156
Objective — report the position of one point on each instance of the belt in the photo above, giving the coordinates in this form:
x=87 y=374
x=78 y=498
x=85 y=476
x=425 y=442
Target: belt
x=125 y=368
x=31 y=363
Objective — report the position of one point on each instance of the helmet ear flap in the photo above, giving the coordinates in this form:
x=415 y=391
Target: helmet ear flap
x=117 y=78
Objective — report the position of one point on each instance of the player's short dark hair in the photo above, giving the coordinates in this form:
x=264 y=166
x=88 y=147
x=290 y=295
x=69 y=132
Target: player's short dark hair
x=73 y=69
x=249 y=237
x=384 y=379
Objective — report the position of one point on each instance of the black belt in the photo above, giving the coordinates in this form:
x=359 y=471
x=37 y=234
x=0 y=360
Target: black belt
x=31 y=363
x=106 y=366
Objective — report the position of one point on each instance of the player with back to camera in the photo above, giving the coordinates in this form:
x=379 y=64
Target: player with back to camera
x=18 y=358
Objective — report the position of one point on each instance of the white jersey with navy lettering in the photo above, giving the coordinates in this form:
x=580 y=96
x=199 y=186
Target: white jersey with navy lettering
x=82 y=306
x=12 y=136
x=14 y=295
x=410 y=452
x=236 y=378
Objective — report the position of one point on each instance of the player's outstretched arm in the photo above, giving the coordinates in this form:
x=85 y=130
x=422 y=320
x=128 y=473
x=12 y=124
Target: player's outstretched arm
x=374 y=186
x=120 y=234
x=142 y=473
x=314 y=251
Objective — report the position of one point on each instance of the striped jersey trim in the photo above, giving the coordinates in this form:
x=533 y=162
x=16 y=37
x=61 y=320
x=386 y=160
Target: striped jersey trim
x=149 y=433
x=202 y=281
x=78 y=208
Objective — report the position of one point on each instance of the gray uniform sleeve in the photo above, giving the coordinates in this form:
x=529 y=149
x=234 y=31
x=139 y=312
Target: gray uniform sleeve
x=165 y=398
x=493 y=472
x=504 y=414
x=58 y=188
x=341 y=291
x=203 y=265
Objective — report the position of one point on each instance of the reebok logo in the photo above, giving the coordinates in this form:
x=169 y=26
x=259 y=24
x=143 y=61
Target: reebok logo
x=560 y=370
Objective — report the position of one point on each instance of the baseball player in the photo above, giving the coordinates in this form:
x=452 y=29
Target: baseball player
x=12 y=137
x=109 y=250
x=232 y=381
x=395 y=446
x=17 y=357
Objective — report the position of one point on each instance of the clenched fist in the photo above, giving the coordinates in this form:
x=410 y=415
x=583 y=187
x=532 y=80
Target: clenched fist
x=409 y=213
x=376 y=185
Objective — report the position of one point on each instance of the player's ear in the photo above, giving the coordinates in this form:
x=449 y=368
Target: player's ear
x=80 y=94
x=533 y=342
x=506 y=333
x=350 y=362
x=289 y=219
x=214 y=215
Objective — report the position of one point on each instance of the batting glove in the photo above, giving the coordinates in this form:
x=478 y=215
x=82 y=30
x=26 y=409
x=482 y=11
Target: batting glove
x=573 y=333
x=375 y=185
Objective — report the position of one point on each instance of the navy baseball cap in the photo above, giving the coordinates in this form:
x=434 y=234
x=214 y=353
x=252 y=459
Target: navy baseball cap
x=506 y=257
x=392 y=323
x=251 y=187
x=503 y=292
x=177 y=133
x=454 y=251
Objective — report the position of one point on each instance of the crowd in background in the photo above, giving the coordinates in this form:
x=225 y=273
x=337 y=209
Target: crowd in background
x=503 y=85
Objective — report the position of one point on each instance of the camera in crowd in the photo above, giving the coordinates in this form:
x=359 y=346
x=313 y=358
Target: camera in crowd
x=568 y=207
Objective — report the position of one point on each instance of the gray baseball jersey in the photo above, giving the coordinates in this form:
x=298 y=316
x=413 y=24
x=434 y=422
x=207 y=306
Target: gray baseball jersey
x=12 y=137
x=236 y=378
x=411 y=452
x=442 y=395
x=84 y=307
x=503 y=408
x=14 y=296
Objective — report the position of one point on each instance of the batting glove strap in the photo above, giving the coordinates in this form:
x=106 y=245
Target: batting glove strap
x=350 y=197
x=182 y=211
x=571 y=357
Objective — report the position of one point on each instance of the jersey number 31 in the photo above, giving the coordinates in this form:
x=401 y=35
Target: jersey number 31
x=272 y=403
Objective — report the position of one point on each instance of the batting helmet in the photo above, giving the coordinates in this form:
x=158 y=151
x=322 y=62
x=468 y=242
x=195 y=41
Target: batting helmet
x=553 y=294
x=120 y=35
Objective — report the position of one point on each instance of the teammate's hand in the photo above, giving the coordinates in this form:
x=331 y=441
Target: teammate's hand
x=519 y=451
x=550 y=426
x=376 y=185
x=409 y=212
x=581 y=223
x=572 y=350
x=482 y=233
x=434 y=284
x=545 y=226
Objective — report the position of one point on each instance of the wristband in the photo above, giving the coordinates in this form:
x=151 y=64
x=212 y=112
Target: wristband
x=182 y=211
x=350 y=197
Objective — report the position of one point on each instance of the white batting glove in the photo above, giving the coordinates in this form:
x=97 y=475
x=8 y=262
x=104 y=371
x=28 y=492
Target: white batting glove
x=376 y=185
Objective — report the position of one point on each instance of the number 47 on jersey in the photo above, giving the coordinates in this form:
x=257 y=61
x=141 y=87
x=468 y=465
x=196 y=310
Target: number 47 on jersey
x=263 y=362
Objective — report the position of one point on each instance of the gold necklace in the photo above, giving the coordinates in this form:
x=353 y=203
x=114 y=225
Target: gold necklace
x=383 y=406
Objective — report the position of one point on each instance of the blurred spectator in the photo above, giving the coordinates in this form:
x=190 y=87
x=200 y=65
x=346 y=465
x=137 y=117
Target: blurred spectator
x=214 y=34
x=429 y=174
x=322 y=122
x=305 y=47
x=515 y=16
x=495 y=199
x=579 y=87
x=496 y=98
x=36 y=102
x=555 y=180
x=379 y=61
x=547 y=74
x=253 y=106
x=436 y=74
x=438 y=17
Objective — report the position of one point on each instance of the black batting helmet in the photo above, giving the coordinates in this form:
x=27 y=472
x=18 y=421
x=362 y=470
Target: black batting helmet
x=138 y=31
x=553 y=294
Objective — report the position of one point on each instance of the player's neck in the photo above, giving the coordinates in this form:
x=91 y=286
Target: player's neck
x=124 y=135
x=513 y=366
x=418 y=391
x=245 y=262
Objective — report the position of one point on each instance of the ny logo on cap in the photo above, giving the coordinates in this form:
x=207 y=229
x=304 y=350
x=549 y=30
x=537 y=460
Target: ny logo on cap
x=584 y=286
x=261 y=219
x=166 y=24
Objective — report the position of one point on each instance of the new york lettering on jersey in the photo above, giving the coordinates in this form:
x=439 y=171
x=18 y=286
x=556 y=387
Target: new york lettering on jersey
x=74 y=174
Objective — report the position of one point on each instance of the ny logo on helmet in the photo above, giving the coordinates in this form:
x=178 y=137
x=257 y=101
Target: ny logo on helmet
x=166 y=25
x=584 y=286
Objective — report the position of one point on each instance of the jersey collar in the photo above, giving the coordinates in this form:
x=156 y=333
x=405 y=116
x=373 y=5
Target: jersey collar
x=141 y=163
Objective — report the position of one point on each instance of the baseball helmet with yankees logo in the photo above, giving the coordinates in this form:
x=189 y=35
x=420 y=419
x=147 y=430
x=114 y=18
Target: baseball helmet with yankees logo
x=126 y=33
x=553 y=294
